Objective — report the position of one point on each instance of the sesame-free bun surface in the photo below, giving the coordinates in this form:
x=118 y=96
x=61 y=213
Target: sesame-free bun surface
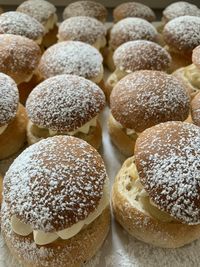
x=82 y=28
x=19 y=56
x=73 y=252
x=196 y=57
x=40 y=10
x=195 y=109
x=138 y=220
x=17 y=23
x=130 y=29
x=141 y=55
x=133 y=9
x=71 y=57
x=182 y=34
x=9 y=98
x=145 y=98
x=74 y=165
x=167 y=157
x=86 y=8
x=14 y=137
x=64 y=103
x=179 y=9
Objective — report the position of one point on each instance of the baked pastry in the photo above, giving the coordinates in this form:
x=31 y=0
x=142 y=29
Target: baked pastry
x=142 y=99
x=195 y=109
x=65 y=104
x=86 y=8
x=1 y=189
x=133 y=9
x=85 y=29
x=190 y=75
x=155 y=195
x=44 y=12
x=72 y=57
x=17 y=23
x=182 y=35
x=56 y=205
x=13 y=119
x=19 y=58
x=179 y=9
x=128 y=29
x=137 y=55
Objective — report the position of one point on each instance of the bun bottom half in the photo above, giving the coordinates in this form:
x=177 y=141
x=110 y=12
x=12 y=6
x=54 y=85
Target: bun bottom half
x=50 y=38
x=178 y=61
x=66 y=253
x=94 y=137
x=120 y=139
x=143 y=226
x=14 y=137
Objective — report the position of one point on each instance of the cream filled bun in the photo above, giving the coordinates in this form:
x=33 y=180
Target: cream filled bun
x=72 y=57
x=13 y=118
x=142 y=99
x=85 y=29
x=19 y=57
x=57 y=203
x=156 y=194
x=137 y=55
x=133 y=9
x=190 y=75
x=44 y=12
x=17 y=23
x=65 y=104
x=179 y=9
x=129 y=29
x=86 y=8
x=182 y=35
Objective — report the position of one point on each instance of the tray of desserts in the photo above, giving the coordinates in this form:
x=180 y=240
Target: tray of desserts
x=99 y=136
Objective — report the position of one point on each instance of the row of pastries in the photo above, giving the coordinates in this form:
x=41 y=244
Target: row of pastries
x=56 y=201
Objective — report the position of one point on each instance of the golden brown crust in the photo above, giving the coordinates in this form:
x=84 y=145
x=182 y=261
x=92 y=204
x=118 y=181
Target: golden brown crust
x=166 y=157
x=133 y=9
x=178 y=61
x=86 y=8
x=66 y=253
x=14 y=137
x=120 y=139
x=148 y=229
x=19 y=56
x=25 y=88
x=50 y=38
x=195 y=109
x=145 y=98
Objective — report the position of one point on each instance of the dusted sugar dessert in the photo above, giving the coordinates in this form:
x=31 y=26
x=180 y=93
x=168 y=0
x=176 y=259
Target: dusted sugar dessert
x=155 y=195
x=55 y=210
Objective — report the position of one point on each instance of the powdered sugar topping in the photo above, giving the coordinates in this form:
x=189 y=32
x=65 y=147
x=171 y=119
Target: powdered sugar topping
x=180 y=8
x=141 y=54
x=55 y=183
x=131 y=29
x=168 y=161
x=80 y=28
x=39 y=9
x=71 y=57
x=64 y=102
x=21 y=24
x=183 y=33
x=9 y=99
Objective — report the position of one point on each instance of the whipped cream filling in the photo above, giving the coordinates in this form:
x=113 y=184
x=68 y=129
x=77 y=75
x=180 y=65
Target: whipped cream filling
x=136 y=194
x=129 y=132
x=50 y=23
x=116 y=76
x=43 y=238
x=3 y=128
x=83 y=129
x=100 y=43
x=192 y=73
